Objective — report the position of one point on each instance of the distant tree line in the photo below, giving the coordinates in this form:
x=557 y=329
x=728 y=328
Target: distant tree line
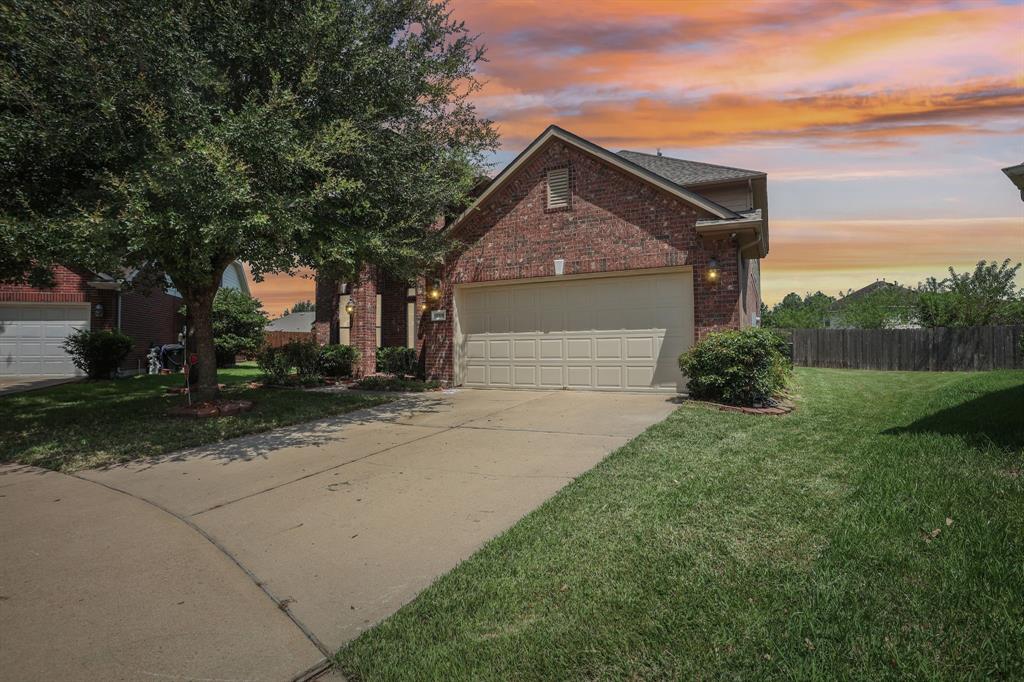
x=988 y=295
x=301 y=307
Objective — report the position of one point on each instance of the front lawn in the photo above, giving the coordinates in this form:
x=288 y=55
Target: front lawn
x=87 y=424
x=877 y=532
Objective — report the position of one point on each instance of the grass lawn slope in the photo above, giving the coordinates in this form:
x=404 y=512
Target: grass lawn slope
x=877 y=532
x=87 y=424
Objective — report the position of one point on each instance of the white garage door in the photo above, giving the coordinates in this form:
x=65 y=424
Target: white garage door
x=615 y=333
x=31 y=337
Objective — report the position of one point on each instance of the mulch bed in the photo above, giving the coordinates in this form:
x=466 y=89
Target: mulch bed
x=778 y=407
x=211 y=408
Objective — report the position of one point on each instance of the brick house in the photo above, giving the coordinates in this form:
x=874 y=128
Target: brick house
x=577 y=268
x=34 y=322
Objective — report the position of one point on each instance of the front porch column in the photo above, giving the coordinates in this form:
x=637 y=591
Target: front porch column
x=394 y=312
x=363 y=330
x=327 y=317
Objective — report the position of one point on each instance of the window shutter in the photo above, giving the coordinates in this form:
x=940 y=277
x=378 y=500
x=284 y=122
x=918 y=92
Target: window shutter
x=558 y=188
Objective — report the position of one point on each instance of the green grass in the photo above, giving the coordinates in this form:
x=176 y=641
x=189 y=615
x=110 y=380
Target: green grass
x=720 y=545
x=88 y=424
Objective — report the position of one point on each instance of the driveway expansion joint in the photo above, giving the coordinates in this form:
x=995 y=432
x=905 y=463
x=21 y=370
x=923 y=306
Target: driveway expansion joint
x=280 y=604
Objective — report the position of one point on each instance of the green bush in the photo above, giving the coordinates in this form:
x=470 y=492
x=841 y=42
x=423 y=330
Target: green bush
x=304 y=356
x=737 y=367
x=397 y=360
x=386 y=383
x=238 y=325
x=97 y=353
x=337 y=361
x=275 y=364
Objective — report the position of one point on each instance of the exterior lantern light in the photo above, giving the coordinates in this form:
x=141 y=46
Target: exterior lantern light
x=423 y=307
x=97 y=310
x=434 y=293
x=712 y=271
x=350 y=307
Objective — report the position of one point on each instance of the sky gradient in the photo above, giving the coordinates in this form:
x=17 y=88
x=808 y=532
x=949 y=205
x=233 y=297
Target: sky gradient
x=882 y=126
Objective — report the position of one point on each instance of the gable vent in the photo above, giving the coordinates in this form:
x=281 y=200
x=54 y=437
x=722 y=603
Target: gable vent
x=558 y=188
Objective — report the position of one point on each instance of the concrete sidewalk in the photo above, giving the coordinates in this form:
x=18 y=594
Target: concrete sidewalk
x=342 y=520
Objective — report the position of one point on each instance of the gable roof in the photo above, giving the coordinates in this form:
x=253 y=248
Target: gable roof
x=293 y=322
x=866 y=291
x=620 y=162
x=688 y=173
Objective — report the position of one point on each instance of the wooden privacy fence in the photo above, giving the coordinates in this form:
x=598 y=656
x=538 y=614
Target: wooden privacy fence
x=278 y=339
x=937 y=349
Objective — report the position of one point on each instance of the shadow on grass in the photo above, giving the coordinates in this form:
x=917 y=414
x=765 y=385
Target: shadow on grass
x=993 y=418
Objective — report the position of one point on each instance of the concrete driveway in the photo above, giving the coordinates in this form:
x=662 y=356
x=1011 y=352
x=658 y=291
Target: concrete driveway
x=19 y=384
x=326 y=528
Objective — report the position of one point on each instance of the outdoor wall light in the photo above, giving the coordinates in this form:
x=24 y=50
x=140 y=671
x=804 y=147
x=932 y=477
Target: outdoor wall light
x=350 y=307
x=435 y=292
x=423 y=307
x=712 y=271
x=97 y=310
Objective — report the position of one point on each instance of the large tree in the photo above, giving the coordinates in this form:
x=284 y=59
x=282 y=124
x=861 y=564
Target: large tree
x=180 y=137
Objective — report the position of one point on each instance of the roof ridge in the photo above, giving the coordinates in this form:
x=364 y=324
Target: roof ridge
x=702 y=163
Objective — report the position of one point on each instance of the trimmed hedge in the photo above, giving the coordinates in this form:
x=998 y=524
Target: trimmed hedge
x=397 y=360
x=737 y=367
x=338 y=360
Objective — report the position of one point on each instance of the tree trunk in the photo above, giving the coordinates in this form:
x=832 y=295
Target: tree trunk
x=200 y=306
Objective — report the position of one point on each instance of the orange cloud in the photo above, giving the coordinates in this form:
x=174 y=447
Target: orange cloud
x=278 y=292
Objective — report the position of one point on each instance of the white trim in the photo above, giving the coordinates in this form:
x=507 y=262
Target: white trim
x=603 y=154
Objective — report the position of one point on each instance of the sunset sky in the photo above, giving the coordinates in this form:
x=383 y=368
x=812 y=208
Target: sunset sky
x=882 y=125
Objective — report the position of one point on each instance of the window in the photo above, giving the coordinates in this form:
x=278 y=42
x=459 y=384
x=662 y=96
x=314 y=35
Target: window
x=558 y=188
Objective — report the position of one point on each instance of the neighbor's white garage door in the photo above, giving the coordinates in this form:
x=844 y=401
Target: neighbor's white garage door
x=620 y=333
x=31 y=337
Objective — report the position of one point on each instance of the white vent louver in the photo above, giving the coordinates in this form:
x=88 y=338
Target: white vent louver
x=558 y=188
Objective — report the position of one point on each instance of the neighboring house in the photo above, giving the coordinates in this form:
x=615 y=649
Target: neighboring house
x=292 y=322
x=579 y=268
x=1016 y=175
x=34 y=322
x=899 y=308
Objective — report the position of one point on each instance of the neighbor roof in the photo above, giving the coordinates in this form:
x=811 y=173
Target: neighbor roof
x=863 y=292
x=293 y=322
x=688 y=173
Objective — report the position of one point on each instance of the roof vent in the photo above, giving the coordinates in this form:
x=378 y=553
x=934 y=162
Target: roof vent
x=558 y=188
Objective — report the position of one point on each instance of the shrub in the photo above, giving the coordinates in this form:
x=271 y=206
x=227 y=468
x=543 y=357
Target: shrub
x=97 y=353
x=737 y=367
x=380 y=382
x=275 y=364
x=397 y=360
x=337 y=361
x=304 y=356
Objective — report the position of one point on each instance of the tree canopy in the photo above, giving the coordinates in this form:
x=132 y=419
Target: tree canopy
x=180 y=137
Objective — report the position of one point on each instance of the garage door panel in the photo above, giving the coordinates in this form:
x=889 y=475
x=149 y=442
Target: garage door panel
x=551 y=349
x=640 y=348
x=499 y=375
x=551 y=376
x=578 y=349
x=579 y=377
x=524 y=349
x=608 y=376
x=608 y=348
x=614 y=333
x=32 y=338
x=524 y=376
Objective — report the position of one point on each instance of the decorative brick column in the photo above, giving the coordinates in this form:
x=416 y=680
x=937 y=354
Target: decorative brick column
x=327 y=317
x=393 y=312
x=363 y=332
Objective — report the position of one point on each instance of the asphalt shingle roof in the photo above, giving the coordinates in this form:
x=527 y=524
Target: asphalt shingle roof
x=295 y=322
x=687 y=173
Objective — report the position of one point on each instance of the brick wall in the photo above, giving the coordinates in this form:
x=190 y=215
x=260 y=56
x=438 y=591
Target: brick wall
x=614 y=222
x=326 y=325
x=70 y=286
x=149 y=318
x=393 y=312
